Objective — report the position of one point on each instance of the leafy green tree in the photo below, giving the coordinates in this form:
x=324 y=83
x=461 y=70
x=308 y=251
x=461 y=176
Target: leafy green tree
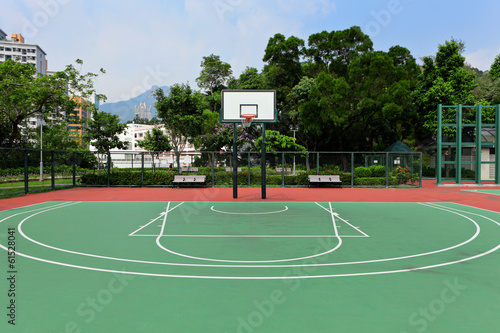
x=102 y=132
x=156 y=142
x=284 y=68
x=181 y=114
x=275 y=141
x=249 y=79
x=57 y=136
x=332 y=52
x=495 y=68
x=215 y=73
x=444 y=80
x=24 y=93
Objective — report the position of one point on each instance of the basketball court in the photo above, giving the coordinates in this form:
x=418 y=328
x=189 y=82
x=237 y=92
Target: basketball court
x=252 y=259
x=393 y=260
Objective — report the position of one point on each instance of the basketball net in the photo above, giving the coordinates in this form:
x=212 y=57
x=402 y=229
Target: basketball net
x=246 y=119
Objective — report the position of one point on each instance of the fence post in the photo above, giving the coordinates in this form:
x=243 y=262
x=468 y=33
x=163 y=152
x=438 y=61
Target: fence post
x=497 y=138
x=74 y=168
x=249 y=170
x=420 y=172
x=387 y=169
x=52 y=170
x=142 y=169
x=479 y=119
x=26 y=175
x=282 y=169
x=458 y=152
x=213 y=169
x=317 y=163
x=109 y=167
x=439 y=143
x=352 y=169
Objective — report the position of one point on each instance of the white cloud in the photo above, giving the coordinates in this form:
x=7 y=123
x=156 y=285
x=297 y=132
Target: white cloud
x=482 y=58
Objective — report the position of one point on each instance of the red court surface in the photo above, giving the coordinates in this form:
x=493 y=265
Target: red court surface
x=464 y=195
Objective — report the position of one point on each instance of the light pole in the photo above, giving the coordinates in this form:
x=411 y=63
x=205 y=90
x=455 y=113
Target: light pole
x=294 y=128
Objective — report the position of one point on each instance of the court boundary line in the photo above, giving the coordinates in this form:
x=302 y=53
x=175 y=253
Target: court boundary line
x=235 y=213
x=280 y=277
x=256 y=266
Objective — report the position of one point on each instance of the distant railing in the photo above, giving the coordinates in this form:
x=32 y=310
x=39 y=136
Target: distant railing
x=22 y=172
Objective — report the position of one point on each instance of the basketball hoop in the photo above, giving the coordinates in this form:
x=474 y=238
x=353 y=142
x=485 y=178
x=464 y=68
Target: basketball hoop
x=246 y=119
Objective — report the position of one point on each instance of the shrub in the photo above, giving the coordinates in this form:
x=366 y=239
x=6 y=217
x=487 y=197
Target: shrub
x=362 y=172
x=377 y=170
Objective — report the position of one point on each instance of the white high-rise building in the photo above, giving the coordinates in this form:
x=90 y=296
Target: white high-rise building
x=15 y=49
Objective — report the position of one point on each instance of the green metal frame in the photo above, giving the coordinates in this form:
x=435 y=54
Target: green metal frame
x=458 y=144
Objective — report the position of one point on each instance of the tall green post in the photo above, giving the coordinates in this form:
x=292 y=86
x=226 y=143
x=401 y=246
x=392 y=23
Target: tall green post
x=235 y=162
x=263 y=160
x=497 y=137
x=478 y=143
x=439 y=143
x=458 y=162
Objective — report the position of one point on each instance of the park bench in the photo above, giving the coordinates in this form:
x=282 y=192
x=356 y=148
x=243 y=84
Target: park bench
x=189 y=169
x=189 y=180
x=231 y=170
x=281 y=170
x=325 y=179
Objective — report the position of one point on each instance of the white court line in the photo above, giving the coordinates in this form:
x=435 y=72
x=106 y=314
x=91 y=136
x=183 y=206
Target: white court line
x=144 y=226
x=260 y=266
x=337 y=215
x=250 y=236
x=287 y=277
x=247 y=261
x=259 y=278
x=263 y=213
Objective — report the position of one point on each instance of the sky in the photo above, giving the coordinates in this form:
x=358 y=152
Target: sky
x=162 y=42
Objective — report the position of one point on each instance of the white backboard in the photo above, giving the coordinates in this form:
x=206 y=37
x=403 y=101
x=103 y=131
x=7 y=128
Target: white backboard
x=235 y=103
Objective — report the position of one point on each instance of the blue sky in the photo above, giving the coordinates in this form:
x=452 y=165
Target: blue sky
x=162 y=42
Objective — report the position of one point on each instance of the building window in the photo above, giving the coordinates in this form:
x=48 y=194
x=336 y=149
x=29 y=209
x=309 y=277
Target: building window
x=24 y=59
x=8 y=49
x=1 y=48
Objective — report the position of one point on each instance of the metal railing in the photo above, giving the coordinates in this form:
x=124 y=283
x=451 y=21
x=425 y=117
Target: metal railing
x=21 y=171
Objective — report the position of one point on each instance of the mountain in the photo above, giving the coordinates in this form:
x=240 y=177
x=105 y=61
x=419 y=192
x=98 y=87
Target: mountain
x=126 y=109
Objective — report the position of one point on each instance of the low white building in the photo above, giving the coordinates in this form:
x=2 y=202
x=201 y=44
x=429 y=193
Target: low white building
x=131 y=157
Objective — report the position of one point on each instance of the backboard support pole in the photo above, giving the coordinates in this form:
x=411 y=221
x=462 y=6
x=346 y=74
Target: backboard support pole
x=235 y=163
x=263 y=160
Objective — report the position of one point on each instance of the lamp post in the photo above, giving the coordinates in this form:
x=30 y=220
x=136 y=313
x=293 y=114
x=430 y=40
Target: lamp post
x=294 y=128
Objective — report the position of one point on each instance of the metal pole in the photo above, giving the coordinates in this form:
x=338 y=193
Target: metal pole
x=439 y=143
x=26 y=174
x=235 y=163
x=458 y=153
x=263 y=161
x=294 y=153
x=497 y=151
x=213 y=169
x=41 y=151
x=478 y=143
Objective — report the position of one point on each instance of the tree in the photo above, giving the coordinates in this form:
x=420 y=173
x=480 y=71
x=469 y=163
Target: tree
x=156 y=142
x=181 y=114
x=215 y=73
x=102 y=132
x=275 y=141
x=495 y=68
x=334 y=51
x=25 y=94
x=444 y=80
x=56 y=136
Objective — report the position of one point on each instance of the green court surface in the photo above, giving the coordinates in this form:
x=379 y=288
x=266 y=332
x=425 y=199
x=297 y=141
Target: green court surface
x=494 y=192
x=250 y=267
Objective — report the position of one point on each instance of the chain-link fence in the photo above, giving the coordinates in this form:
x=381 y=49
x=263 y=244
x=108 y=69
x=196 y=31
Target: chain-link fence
x=27 y=170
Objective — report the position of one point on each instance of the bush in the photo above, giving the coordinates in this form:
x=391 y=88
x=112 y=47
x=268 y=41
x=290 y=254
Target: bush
x=377 y=171
x=362 y=172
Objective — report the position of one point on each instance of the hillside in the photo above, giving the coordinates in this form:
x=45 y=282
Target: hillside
x=126 y=109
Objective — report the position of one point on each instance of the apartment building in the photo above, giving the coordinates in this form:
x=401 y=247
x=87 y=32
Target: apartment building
x=16 y=49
